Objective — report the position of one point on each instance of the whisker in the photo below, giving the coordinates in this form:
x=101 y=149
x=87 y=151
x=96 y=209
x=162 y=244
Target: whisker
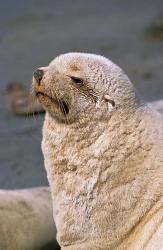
x=63 y=109
x=61 y=105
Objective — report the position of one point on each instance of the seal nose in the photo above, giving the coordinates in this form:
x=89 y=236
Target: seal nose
x=38 y=74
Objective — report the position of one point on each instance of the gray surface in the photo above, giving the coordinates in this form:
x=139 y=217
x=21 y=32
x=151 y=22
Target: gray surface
x=33 y=32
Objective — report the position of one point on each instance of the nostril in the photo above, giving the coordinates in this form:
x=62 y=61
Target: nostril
x=38 y=74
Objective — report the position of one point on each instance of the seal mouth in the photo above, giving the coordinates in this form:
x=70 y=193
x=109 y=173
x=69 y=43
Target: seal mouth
x=57 y=101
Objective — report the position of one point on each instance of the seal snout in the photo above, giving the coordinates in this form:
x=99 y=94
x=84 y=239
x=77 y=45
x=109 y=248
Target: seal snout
x=38 y=75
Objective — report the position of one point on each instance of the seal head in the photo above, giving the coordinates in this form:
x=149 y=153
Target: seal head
x=77 y=86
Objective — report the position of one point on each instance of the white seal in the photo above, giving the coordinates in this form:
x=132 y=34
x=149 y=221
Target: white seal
x=26 y=221
x=103 y=155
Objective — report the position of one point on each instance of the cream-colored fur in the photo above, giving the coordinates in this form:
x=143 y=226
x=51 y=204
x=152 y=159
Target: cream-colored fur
x=157 y=105
x=103 y=158
x=26 y=221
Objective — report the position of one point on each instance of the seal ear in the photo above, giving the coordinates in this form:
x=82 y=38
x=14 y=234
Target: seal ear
x=110 y=102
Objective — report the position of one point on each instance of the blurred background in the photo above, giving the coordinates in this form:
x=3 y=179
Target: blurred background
x=33 y=32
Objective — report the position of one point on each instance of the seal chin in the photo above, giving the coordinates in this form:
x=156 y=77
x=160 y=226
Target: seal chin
x=44 y=98
x=48 y=102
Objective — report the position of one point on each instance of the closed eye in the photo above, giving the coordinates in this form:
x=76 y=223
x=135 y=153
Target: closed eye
x=76 y=80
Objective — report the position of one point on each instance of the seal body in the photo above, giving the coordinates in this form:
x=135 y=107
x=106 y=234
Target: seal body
x=99 y=183
x=26 y=221
x=157 y=105
x=103 y=156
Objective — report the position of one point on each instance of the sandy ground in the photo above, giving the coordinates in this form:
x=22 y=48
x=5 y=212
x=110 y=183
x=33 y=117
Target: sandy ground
x=33 y=32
